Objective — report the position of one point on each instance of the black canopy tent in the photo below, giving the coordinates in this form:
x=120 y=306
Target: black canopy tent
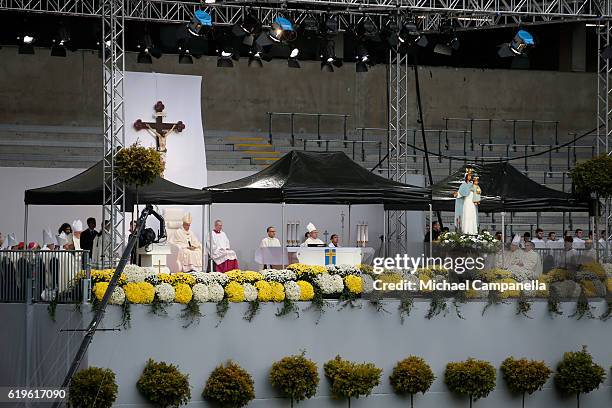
x=86 y=189
x=504 y=188
x=319 y=178
x=302 y=177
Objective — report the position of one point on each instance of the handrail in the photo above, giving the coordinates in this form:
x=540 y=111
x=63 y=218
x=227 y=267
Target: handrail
x=513 y=121
x=292 y=115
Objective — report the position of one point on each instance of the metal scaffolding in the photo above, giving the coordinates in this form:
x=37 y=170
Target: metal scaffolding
x=113 y=47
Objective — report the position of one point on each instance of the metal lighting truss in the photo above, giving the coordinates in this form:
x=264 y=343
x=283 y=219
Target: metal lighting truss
x=113 y=30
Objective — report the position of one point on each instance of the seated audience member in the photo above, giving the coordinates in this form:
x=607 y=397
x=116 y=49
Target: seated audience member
x=334 y=241
x=588 y=254
x=570 y=255
x=527 y=264
x=224 y=258
x=538 y=240
x=552 y=236
x=270 y=240
x=498 y=235
x=190 y=248
x=435 y=235
x=510 y=257
x=579 y=234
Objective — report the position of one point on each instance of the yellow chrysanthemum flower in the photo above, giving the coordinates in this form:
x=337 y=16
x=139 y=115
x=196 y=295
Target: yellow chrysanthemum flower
x=264 y=291
x=496 y=275
x=509 y=293
x=594 y=267
x=303 y=269
x=183 y=293
x=432 y=271
x=184 y=278
x=234 y=292
x=354 y=284
x=239 y=276
x=609 y=285
x=306 y=290
x=139 y=292
x=278 y=291
x=99 y=289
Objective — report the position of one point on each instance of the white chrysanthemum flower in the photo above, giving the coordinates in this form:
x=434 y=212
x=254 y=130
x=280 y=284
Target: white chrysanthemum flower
x=329 y=284
x=200 y=292
x=343 y=270
x=278 y=275
x=210 y=277
x=134 y=273
x=165 y=292
x=250 y=292
x=292 y=290
x=215 y=292
x=117 y=297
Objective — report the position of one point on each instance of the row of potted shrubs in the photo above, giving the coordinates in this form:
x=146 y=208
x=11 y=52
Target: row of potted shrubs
x=297 y=378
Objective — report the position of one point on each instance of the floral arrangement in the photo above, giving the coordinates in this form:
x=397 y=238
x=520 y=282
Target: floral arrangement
x=343 y=270
x=484 y=242
x=211 y=277
x=306 y=290
x=525 y=376
x=135 y=273
x=138 y=165
x=292 y=291
x=239 y=276
x=302 y=270
x=234 y=292
x=183 y=293
x=200 y=292
x=139 y=292
x=354 y=284
x=474 y=378
x=250 y=292
x=411 y=376
x=578 y=374
x=164 y=385
x=329 y=284
x=280 y=276
x=117 y=297
x=351 y=380
x=105 y=275
x=165 y=292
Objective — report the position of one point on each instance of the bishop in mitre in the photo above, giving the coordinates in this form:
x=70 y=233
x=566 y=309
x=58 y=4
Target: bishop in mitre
x=223 y=256
x=190 y=248
x=312 y=236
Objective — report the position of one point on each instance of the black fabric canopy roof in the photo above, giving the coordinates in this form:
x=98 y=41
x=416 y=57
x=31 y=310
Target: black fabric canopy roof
x=504 y=188
x=86 y=189
x=319 y=178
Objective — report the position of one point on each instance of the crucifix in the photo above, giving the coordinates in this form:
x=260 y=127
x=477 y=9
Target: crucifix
x=158 y=129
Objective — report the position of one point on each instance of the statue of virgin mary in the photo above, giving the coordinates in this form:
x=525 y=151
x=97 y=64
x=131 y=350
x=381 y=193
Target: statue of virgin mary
x=466 y=215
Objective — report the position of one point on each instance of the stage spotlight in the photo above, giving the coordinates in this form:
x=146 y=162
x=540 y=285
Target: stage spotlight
x=409 y=35
x=366 y=30
x=61 y=42
x=248 y=28
x=146 y=50
x=364 y=61
x=185 y=56
x=282 y=31
x=328 y=56
x=521 y=42
x=449 y=40
x=292 y=61
x=200 y=24
x=225 y=60
x=26 y=44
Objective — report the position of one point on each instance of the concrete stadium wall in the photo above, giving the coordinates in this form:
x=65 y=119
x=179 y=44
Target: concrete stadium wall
x=39 y=89
x=355 y=334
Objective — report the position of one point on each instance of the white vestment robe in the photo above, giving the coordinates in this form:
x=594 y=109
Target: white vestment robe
x=310 y=241
x=190 y=259
x=221 y=251
x=269 y=242
x=331 y=245
x=525 y=265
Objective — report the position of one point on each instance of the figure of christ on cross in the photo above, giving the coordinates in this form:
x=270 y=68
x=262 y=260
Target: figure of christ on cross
x=159 y=129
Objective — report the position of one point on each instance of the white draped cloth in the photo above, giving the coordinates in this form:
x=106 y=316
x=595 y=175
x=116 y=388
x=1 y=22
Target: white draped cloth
x=469 y=217
x=221 y=251
x=268 y=242
x=311 y=241
x=190 y=258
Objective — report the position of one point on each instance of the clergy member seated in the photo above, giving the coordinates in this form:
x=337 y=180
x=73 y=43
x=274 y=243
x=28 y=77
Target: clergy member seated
x=224 y=258
x=190 y=248
x=312 y=236
x=527 y=265
x=270 y=240
x=334 y=241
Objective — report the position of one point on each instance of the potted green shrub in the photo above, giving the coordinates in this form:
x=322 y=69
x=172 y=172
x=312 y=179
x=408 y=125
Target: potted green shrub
x=229 y=386
x=93 y=387
x=525 y=376
x=411 y=376
x=474 y=378
x=138 y=165
x=164 y=385
x=578 y=374
x=296 y=377
x=351 y=380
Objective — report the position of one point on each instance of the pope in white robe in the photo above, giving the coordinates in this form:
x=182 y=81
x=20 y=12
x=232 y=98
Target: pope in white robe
x=224 y=258
x=190 y=248
x=312 y=236
x=527 y=264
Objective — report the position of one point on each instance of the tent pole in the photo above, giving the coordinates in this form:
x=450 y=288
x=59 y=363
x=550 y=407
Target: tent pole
x=203 y=232
x=210 y=250
x=384 y=252
x=25 y=228
x=349 y=226
x=503 y=228
x=283 y=233
x=430 y=230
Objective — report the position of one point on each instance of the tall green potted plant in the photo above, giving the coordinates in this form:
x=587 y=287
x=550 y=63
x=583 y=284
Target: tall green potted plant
x=578 y=374
x=411 y=376
x=296 y=377
x=474 y=378
x=525 y=376
x=351 y=380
